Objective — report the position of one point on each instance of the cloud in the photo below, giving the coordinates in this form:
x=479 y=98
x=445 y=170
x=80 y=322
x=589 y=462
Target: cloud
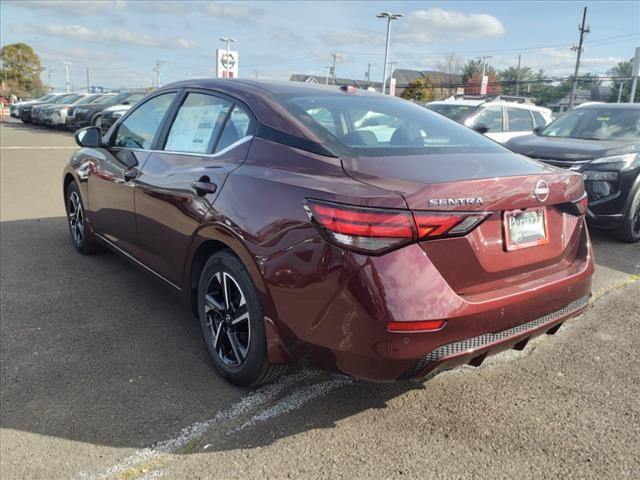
x=234 y=12
x=358 y=37
x=436 y=25
x=119 y=35
x=70 y=7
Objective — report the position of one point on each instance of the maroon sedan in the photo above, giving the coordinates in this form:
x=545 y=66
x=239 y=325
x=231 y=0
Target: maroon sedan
x=337 y=228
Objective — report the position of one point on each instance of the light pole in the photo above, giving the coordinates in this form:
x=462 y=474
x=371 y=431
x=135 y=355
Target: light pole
x=336 y=56
x=326 y=78
x=66 y=72
x=227 y=40
x=389 y=17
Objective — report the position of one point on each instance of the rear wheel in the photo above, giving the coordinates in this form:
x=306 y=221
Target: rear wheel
x=629 y=231
x=232 y=322
x=81 y=235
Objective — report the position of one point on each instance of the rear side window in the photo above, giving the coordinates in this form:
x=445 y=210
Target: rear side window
x=139 y=129
x=490 y=118
x=538 y=119
x=237 y=127
x=519 y=120
x=197 y=124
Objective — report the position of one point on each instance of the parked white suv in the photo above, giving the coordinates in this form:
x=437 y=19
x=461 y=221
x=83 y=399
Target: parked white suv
x=500 y=118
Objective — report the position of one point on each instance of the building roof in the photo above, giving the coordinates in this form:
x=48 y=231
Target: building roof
x=322 y=80
x=598 y=93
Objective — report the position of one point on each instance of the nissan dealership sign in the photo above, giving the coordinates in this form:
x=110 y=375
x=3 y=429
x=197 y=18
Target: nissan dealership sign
x=227 y=63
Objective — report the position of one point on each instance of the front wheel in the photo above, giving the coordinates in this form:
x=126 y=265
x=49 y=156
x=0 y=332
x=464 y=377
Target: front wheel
x=232 y=322
x=81 y=235
x=629 y=231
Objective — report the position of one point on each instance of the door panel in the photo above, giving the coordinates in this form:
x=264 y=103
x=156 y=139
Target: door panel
x=111 y=198
x=168 y=207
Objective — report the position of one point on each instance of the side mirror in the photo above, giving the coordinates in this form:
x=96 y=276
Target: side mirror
x=481 y=128
x=90 y=137
x=537 y=130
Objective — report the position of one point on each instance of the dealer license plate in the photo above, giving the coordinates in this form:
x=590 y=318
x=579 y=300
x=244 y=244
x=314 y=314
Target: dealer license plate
x=525 y=228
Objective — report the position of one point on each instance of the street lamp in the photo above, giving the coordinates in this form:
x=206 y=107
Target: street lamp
x=227 y=40
x=389 y=17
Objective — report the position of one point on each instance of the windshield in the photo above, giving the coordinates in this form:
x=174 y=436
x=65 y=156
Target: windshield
x=455 y=112
x=64 y=99
x=376 y=125
x=599 y=123
x=45 y=98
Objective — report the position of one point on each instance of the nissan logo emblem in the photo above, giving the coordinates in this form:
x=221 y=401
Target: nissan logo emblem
x=541 y=192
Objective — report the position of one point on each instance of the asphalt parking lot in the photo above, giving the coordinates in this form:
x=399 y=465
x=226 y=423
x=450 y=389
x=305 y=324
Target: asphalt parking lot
x=104 y=376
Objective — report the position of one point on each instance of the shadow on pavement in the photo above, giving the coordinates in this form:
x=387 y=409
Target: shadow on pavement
x=96 y=351
x=611 y=253
x=17 y=125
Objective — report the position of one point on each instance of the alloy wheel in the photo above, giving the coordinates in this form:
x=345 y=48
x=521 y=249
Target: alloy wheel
x=76 y=218
x=227 y=319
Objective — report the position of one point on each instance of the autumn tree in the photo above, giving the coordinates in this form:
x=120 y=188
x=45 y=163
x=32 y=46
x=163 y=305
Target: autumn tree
x=21 y=68
x=420 y=90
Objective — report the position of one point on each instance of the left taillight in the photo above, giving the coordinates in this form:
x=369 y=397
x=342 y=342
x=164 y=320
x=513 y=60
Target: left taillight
x=375 y=231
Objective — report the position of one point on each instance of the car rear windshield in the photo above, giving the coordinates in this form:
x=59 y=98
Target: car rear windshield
x=597 y=123
x=377 y=125
x=454 y=112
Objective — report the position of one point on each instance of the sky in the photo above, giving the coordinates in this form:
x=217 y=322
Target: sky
x=119 y=41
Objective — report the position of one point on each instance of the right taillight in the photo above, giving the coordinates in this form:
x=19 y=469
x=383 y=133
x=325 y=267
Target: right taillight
x=375 y=231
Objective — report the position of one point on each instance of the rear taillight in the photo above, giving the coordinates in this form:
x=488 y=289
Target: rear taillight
x=375 y=231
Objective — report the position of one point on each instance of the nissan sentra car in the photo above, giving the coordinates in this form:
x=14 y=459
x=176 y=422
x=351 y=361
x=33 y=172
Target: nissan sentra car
x=297 y=235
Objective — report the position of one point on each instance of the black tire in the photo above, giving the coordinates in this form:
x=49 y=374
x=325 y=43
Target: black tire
x=629 y=230
x=237 y=347
x=81 y=235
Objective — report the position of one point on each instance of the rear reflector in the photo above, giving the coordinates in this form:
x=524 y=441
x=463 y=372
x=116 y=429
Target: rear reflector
x=374 y=231
x=423 y=326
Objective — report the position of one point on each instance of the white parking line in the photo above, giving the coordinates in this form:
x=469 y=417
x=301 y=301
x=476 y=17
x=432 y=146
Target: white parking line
x=244 y=405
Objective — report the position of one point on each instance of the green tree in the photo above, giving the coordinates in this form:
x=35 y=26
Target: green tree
x=21 y=70
x=420 y=90
x=622 y=69
x=509 y=80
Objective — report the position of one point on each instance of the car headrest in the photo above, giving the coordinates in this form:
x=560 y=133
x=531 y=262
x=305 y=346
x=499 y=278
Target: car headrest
x=407 y=136
x=361 y=137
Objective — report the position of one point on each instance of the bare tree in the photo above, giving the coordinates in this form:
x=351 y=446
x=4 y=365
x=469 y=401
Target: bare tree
x=451 y=68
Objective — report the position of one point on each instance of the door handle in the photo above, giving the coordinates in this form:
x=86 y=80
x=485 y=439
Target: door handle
x=204 y=186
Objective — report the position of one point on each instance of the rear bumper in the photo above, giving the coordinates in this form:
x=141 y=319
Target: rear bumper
x=340 y=322
x=474 y=350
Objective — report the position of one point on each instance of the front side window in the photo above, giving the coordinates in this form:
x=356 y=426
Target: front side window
x=377 y=125
x=197 y=124
x=490 y=118
x=538 y=119
x=519 y=120
x=139 y=129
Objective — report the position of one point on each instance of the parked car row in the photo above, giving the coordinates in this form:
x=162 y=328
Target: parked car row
x=73 y=110
x=499 y=118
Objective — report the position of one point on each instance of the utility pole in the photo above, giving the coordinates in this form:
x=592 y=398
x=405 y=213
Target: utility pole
x=255 y=71
x=157 y=72
x=336 y=56
x=635 y=73
x=49 y=81
x=389 y=17
x=369 y=74
x=518 y=76
x=88 y=81
x=66 y=72
x=574 y=84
